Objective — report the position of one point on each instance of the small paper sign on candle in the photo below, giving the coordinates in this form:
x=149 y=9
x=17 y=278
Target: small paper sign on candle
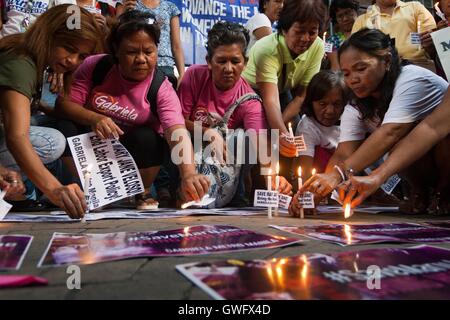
x=299 y=142
x=415 y=38
x=328 y=47
x=307 y=200
x=265 y=198
x=284 y=201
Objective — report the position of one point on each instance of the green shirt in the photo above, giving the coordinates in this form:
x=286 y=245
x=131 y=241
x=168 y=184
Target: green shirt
x=269 y=54
x=18 y=73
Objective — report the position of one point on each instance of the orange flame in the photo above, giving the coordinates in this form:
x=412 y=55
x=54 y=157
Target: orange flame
x=313 y=172
x=347 y=211
x=299 y=171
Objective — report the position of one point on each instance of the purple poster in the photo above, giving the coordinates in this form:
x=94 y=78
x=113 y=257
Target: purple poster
x=421 y=272
x=93 y=248
x=346 y=234
x=13 y=249
x=439 y=224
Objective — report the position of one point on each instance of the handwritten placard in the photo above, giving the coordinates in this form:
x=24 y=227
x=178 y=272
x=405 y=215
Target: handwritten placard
x=328 y=47
x=415 y=38
x=265 y=198
x=284 y=201
x=299 y=142
x=115 y=175
x=307 y=200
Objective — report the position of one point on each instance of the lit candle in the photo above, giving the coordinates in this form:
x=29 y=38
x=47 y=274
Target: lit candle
x=300 y=184
x=439 y=12
x=348 y=212
x=277 y=184
x=269 y=188
x=313 y=171
x=291 y=133
x=418 y=26
x=325 y=36
x=87 y=183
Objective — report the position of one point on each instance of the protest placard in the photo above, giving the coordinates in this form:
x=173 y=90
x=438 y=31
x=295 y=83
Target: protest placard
x=441 y=40
x=265 y=198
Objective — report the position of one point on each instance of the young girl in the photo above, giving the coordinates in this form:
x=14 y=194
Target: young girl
x=324 y=103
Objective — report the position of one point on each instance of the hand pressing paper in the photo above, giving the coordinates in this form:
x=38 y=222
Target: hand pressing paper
x=10 y=281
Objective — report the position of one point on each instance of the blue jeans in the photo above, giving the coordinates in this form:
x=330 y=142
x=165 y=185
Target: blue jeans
x=49 y=145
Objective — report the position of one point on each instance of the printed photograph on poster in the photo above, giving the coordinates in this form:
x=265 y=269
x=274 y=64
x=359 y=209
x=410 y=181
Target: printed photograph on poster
x=13 y=249
x=113 y=172
x=421 y=272
x=346 y=234
x=80 y=249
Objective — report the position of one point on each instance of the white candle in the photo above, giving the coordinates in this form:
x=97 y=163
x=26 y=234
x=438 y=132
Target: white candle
x=439 y=12
x=269 y=188
x=418 y=26
x=325 y=36
x=291 y=133
x=87 y=183
x=300 y=184
x=277 y=184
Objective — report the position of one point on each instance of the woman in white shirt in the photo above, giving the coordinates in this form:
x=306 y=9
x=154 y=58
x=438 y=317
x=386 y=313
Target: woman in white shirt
x=260 y=25
x=388 y=102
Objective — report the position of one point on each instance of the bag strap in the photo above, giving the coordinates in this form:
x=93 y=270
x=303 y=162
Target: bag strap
x=101 y=69
x=152 y=94
x=246 y=97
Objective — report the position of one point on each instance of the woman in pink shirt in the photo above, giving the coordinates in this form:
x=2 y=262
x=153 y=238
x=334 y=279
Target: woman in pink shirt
x=206 y=91
x=116 y=97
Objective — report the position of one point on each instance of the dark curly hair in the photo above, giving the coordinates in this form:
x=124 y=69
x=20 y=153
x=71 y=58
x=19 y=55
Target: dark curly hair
x=342 y=4
x=322 y=83
x=226 y=33
x=130 y=22
x=376 y=44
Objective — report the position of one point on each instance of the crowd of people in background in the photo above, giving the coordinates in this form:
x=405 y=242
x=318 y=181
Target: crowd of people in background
x=375 y=100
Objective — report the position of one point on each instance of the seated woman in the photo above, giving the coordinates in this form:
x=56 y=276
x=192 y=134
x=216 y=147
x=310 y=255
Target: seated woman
x=389 y=100
x=282 y=64
x=211 y=89
x=23 y=59
x=124 y=96
x=326 y=97
x=431 y=133
x=260 y=25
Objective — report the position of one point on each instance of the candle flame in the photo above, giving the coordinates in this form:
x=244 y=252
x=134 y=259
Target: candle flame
x=347 y=211
x=186 y=230
x=299 y=171
x=290 y=126
x=313 y=172
x=324 y=35
x=278 y=168
x=270 y=171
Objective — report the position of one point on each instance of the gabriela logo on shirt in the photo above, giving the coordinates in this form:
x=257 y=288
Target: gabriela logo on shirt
x=200 y=114
x=109 y=105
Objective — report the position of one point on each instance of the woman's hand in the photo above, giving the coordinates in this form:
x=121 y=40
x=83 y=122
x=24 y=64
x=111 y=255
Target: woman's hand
x=70 y=198
x=295 y=206
x=322 y=184
x=427 y=43
x=287 y=148
x=357 y=189
x=11 y=182
x=56 y=81
x=442 y=24
x=284 y=187
x=194 y=187
x=101 y=20
x=106 y=128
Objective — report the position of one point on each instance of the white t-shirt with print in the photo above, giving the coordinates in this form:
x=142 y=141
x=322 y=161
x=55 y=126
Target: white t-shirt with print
x=417 y=92
x=316 y=134
x=18 y=11
x=259 y=20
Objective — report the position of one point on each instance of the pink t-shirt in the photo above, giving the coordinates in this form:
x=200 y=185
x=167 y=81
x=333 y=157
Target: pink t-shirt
x=199 y=98
x=125 y=101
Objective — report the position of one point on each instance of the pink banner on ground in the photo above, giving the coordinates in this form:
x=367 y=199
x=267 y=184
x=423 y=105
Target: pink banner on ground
x=422 y=272
x=196 y=240
x=13 y=249
x=10 y=281
x=346 y=234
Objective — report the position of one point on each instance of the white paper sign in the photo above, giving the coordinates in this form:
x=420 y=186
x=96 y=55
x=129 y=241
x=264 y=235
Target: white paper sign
x=114 y=174
x=205 y=202
x=415 y=38
x=307 y=200
x=299 y=142
x=328 y=47
x=284 y=201
x=265 y=198
x=441 y=40
x=335 y=196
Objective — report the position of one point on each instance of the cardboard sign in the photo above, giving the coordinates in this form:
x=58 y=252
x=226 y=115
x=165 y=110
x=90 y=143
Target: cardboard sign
x=265 y=198
x=328 y=47
x=415 y=38
x=114 y=175
x=284 y=201
x=307 y=200
x=441 y=40
x=299 y=142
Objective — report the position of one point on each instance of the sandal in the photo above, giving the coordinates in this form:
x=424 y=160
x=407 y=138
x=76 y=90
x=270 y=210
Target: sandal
x=143 y=202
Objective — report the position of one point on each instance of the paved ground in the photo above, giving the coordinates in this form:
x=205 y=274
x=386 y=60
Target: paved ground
x=156 y=278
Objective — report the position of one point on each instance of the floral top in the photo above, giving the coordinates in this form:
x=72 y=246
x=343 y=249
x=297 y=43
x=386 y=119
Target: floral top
x=337 y=39
x=163 y=14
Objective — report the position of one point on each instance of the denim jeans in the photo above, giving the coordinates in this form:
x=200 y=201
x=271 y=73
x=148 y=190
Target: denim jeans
x=49 y=145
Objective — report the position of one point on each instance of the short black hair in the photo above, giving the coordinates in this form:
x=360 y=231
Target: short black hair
x=227 y=33
x=261 y=5
x=302 y=11
x=319 y=86
x=342 y=4
x=130 y=22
